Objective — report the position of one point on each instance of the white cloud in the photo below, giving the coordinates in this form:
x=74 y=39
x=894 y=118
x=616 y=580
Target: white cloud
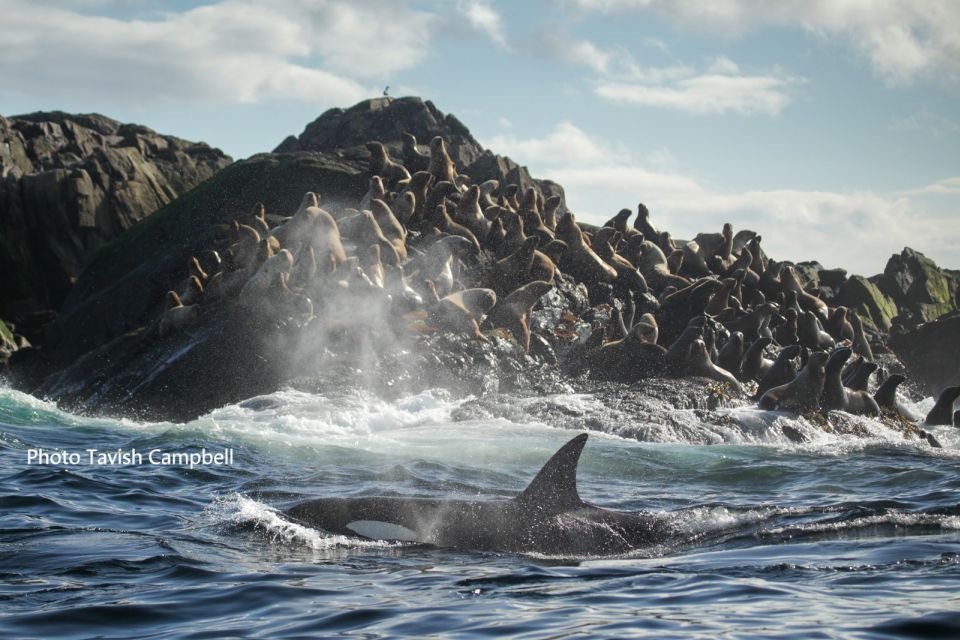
x=227 y=52
x=854 y=230
x=720 y=87
x=484 y=19
x=706 y=93
x=946 y=187
x=567 y=143
x=902 y=39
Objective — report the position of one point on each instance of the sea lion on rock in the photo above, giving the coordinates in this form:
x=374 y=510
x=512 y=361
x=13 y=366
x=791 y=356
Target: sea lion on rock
x=177 y=315
x=579 y=259
x=700 y=364
x=627 y=360
x=441 y=166
x=807 y=301
x=782 y=371
x=755 y=366
x=942 y=411
x=810 y=334
x=462 y=311
x=194 y=291
x=513 y=312
x=803 y=392
x=413 y=159
x=382 y=165
x=838 y=397
x=860 y=344
x=646 y=329
x=731 y=355
x=887 y=400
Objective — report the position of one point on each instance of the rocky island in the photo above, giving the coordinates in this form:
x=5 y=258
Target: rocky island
x=419 y=259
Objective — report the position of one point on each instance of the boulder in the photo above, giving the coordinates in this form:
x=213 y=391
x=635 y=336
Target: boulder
x=919 y=286
x=69 y=184
x=861 y=295
x=931 y=352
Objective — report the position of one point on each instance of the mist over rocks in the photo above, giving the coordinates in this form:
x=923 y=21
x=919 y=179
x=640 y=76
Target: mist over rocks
x=615 y=288
x=69 y=185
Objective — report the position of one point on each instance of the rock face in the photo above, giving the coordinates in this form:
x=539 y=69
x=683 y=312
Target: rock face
x=345 y=131
x=932 y=352
x=69 y=184
x=124 y=283
x=920 y=288
x=876 y=310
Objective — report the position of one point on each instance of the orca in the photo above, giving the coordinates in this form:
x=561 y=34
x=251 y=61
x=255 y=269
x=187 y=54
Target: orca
x=547 y=518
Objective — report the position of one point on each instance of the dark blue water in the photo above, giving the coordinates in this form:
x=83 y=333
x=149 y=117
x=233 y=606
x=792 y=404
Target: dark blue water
x=841 y=537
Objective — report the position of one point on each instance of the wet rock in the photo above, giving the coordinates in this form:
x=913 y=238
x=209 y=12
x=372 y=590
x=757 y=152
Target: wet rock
x=931 y=352
x=69 y=184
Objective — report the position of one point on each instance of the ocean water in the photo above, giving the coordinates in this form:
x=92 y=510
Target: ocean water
x=841 y=536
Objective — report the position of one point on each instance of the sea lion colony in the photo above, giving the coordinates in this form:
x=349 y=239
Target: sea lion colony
x=438 y=253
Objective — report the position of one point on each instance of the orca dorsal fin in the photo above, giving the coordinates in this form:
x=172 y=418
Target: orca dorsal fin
x=555 y=487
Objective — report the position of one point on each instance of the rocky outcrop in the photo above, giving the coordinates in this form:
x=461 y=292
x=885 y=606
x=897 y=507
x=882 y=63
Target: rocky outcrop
x=921 y=290
x=124 y=283
x=345 y=131
x=931 y=351
x=875 y=309
x=69 y=184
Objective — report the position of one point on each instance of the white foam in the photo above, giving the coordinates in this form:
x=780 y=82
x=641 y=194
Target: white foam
x=237 y=509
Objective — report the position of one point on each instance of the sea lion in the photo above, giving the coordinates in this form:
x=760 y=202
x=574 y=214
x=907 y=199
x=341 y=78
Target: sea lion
x=513 y=312
x=642 y=223
x=441 y=166
x=810 y=334
x=259 y=287
x=193 y=292
x=719 y=301
x=382 y=165
x=550 y=208
x=626 y=360
x=194 y=268
x=807 y=301
x=782 y=371
x=403 y=207
x=859 y=378
x=376 y=192
x=258 y=219
x=579 y=259
x=700 y=364
x=646 y=329
x=751 y=323
x=462 y=311
x=413 y=159
x=803 y=392
x=177 y=315
x=787 y=331
x=731 y=355
x=838 y=397
x=860 y=344
x=652 y=264
x=838 y=325
x=887 y=400
x=469 y=213
x=390 y=226
x=942 y=411
x=754 y=365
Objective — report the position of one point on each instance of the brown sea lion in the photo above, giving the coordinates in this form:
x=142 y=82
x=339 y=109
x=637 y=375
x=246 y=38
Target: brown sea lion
x=803 y=392
x=513 y=312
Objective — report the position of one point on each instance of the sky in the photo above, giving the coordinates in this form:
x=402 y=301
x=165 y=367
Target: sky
x=831 y=127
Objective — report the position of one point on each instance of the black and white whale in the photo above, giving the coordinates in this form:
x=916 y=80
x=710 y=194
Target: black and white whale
x=548 y=518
